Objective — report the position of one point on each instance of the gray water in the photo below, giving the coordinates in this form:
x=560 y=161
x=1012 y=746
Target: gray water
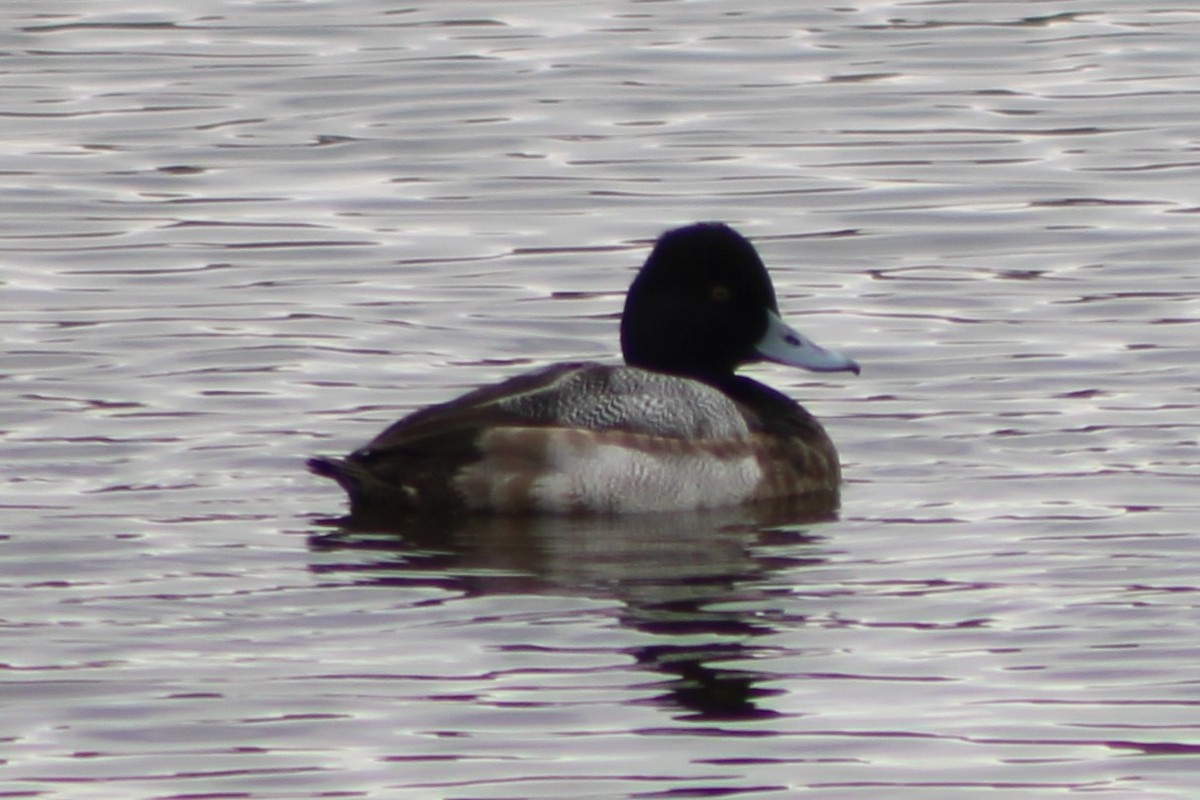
x=235 y=234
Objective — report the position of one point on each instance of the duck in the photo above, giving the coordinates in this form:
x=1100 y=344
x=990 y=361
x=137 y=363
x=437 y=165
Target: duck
x=673 y=428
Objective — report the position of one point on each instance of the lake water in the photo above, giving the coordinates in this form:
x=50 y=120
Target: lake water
x=235 y=234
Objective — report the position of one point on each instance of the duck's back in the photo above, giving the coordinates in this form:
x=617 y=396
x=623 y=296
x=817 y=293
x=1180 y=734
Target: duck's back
x=580 y=437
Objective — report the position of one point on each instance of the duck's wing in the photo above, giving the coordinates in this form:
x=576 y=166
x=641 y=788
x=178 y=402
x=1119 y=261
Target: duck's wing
x=580 y=396
x=411 y=463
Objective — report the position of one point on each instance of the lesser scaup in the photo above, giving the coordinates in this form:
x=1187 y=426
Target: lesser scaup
x=672 y=429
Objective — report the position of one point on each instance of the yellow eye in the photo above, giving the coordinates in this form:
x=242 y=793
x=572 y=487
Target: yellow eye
x=721 y=293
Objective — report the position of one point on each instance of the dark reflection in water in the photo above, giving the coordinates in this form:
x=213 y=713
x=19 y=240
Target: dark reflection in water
x=684 y=578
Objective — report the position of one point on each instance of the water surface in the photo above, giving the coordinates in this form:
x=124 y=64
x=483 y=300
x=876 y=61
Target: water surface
x=237 y=234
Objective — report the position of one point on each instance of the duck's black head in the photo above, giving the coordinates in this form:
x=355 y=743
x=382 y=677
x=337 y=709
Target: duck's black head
x=703 y=305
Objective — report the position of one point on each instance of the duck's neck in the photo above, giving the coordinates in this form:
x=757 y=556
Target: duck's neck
x=751 y=392
x=775 y=412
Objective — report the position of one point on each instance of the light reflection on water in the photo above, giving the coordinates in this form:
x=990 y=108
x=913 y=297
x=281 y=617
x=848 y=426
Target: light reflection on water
x=236 y=235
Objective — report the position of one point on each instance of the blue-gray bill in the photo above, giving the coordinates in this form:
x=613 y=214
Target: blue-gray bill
x=784 y=344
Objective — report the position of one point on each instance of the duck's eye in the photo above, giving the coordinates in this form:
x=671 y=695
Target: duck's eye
x=721 y=293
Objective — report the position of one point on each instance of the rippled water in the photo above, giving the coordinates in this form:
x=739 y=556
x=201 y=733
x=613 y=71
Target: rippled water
x=236 y=233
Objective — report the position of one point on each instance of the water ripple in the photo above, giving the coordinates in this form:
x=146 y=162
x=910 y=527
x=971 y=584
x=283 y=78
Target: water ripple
x=236 y=235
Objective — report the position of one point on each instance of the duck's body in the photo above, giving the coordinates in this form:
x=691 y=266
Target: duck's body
x=589 y=437
x=675 y=429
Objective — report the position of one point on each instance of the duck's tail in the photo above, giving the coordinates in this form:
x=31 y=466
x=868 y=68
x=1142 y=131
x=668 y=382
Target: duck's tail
x=337 y=469
x=365 y=490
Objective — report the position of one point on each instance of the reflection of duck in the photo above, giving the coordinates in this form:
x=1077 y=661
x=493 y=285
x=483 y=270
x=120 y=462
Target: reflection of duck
x=697 y=589
x=646 y=558
x=674 y=429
